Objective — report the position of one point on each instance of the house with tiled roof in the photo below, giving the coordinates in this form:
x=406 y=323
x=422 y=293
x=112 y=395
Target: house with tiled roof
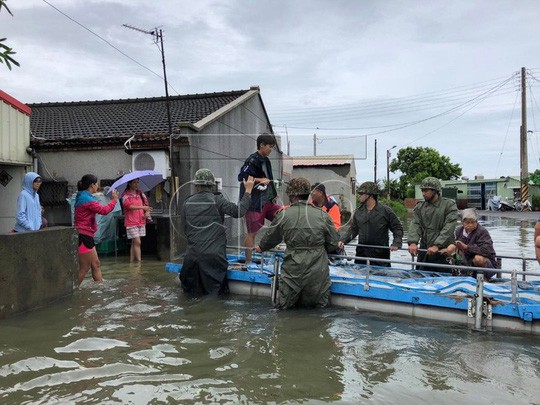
x=336 y=172
x=112 y=137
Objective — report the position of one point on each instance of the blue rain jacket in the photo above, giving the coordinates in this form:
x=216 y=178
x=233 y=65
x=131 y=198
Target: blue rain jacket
x=28 y=206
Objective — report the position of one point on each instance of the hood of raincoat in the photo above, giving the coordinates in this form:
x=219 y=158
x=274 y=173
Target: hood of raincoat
x=28 y=182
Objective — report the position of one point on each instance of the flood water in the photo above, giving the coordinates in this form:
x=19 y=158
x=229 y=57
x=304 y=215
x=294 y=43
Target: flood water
x=137 y=339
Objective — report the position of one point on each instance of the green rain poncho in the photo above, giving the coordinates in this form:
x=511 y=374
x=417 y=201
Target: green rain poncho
x=205 y=264
x=309 y=234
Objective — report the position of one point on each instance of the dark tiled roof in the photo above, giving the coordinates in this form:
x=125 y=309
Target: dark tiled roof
x=122 y=118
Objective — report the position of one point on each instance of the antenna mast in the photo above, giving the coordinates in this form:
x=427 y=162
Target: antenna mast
x=157 y=34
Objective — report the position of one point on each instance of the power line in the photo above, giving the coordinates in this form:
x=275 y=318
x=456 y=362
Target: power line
x=480 y=97
x=386 y=110
x=430 y=96
x=506 y=135
x=107 y=42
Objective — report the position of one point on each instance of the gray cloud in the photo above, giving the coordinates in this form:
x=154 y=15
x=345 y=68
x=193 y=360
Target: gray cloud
x=304 y=55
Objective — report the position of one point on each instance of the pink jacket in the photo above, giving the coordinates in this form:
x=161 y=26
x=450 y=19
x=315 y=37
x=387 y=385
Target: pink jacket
x=86 y=208
x=134 y=217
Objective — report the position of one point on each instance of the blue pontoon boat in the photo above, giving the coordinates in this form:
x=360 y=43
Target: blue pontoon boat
x=503 y=303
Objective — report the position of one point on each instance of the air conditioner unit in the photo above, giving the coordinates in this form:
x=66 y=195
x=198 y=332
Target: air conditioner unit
x=156 y=160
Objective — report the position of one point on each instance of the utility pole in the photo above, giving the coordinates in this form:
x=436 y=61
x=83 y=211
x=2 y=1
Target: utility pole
x=523 y=139
x=314 y=144
x=375 y=164
x=388 y=171
x=158 y=37
x=288 y=143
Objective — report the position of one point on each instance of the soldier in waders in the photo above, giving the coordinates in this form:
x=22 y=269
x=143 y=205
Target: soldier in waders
x=309 y=234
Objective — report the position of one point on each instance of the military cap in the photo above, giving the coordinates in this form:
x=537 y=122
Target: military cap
x=204 y=177
x=431 y=183
x=298 y=186
x=368 y=187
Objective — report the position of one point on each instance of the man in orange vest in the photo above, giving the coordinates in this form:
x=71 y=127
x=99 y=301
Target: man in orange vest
x=327 y=204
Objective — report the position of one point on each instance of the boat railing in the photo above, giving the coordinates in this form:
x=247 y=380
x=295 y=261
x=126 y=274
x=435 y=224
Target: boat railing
x=523 y=260
x=446 y=268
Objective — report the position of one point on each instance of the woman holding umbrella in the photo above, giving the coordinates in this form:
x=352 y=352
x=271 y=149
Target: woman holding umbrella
x=86 y=208
x=136 y=213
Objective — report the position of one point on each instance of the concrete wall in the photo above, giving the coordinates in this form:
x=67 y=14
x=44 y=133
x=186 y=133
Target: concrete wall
x=72 y=165
x=8 y=197
x=37 y=268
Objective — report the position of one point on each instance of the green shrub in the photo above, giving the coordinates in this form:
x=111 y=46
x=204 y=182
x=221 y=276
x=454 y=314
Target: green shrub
x=535 y=201
x=397 y=206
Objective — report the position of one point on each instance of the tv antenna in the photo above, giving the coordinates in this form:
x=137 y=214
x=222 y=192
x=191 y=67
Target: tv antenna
x=157 y=35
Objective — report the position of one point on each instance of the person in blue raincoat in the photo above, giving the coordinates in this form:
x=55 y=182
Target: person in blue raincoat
x=28 y=204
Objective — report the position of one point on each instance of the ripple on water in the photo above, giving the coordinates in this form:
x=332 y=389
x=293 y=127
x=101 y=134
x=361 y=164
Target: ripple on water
x=220 y=352
x=157 y=356
x=81 y=374
x=35 y=364
x=91 y=344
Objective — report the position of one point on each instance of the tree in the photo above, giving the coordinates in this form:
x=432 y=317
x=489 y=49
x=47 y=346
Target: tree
x=6 y=51
x=535 y=176
x=418 y=163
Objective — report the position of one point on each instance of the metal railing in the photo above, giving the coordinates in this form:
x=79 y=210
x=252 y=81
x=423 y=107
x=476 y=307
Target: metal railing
x=523 y=260
x=446 y=268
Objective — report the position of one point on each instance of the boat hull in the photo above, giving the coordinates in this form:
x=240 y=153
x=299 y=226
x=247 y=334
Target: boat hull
x=440 y=298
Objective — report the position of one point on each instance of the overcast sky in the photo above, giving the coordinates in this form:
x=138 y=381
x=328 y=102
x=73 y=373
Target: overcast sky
x=406 y=73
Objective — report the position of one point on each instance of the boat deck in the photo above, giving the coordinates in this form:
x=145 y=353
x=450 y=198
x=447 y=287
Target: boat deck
x=500 y=303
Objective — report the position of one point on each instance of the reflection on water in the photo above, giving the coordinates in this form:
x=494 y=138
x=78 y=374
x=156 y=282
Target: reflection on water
x=137 y=339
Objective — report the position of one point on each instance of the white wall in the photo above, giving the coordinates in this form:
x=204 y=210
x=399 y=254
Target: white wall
x=72 y=165
x=14 y=136
x=8 y=197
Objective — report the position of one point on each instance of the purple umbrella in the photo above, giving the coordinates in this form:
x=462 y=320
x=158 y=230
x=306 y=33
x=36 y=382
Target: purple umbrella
x=148 y=180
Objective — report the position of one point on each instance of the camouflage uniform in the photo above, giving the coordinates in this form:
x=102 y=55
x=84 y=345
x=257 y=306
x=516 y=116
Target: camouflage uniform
x=433 y=224
x=309 y=234
x=204 y=270
x=372 y=229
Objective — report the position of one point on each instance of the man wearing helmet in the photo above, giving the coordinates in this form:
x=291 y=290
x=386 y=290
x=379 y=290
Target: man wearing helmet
x=433 y=225
x=371 y=222
x=205 y=264
x=309 y=234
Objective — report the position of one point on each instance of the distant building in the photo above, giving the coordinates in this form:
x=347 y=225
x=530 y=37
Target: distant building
x=336 y=172
x=475 y=193
x=15 y=159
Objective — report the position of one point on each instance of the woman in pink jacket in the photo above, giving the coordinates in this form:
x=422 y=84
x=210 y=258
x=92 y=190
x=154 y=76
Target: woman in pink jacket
x=86 y=208
x=136 y=213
